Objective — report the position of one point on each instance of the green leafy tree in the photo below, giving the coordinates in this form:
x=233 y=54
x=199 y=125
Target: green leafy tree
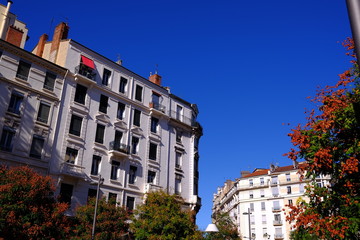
x=28 y=209
x=330 y=144
x=227 y=229
x=161 y=218
x=111 y=221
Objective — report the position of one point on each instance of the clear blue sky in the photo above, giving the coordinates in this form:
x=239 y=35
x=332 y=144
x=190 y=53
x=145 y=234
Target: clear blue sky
x=249 y=65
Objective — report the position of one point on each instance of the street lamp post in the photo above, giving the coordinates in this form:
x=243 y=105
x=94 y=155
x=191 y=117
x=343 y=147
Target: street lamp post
x=353 y=7
x=211 y=228
x=248 y=213
x=100 y=181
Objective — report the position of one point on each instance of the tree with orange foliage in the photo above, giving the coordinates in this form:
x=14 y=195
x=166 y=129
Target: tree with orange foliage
x=330 y=143
x=28 y=209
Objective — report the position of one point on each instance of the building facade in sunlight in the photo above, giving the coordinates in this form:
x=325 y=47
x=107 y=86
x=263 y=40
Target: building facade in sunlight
x=92 y=117
x=257 y=202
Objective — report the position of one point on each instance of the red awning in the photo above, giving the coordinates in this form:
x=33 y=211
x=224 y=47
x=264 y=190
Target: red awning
x=88 y=62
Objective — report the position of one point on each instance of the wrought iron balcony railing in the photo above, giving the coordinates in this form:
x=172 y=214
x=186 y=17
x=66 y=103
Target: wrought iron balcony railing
x=157 y=106
x=120 y=147
x=85 y=71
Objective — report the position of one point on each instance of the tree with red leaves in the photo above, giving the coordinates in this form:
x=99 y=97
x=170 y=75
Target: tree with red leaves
x=330 y=144
x=28 y=209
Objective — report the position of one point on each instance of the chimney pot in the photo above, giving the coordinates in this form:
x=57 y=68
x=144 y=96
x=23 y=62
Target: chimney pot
x=155 y=78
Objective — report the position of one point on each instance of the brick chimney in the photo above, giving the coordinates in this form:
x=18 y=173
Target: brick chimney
x=41 y=44
x=60 y=33
x=14 y=36
x=155 y=78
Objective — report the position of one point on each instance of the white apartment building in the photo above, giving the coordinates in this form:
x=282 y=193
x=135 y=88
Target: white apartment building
x=102 y=120
x=256 y=202
x=30 y=92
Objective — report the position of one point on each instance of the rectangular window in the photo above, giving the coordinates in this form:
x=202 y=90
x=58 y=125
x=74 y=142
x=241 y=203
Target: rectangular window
x=43 y=113
x=15 y=102
x=100 y=131
x=251 y=194
x=252 y=220
x=117 y=140
x=80 y=94
x=251 y=182
x=23 y=70
x=106 y=77
x=288 y=178
x=137 y=115
x=103 y=103
x=151 y=176
x=49 y=81
x=178 y=136
x=179 y=112
x=275 y=191
x=7 y=136
x=95 y=165
x=153 y=151
x=263 y=217
x=130 y=203
x=276 y=205
x=91 y=193
x=274 y=180
x=263 y=206
x=66 y=191
x=290 y=202
x=301 y=187
x=36 y=146
x=120 y=111
x=262 y=193
x=178 y=158
x=134 y=145
x=138 y=93
x=288 y=189
x=177 y=184
x=75 y=125
x=132 y=174
x=154 y=124
x=71 y=155
x=251 y=207
x=262 y=182
x=123 y=83
x=112 y=198
x=115 y=165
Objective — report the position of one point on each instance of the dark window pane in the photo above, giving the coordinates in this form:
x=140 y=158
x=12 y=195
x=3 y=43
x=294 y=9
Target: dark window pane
x=100 y=131
x=15 y=102
x=137 y=115
x=103 y=104
x=80 y=94
x=66 y=191
x=106 y=76
x=36 y=147
x=43 y=113
x=23 y=70
x=152 y=151
x=132 y=174
x=130 y=203
x=75 y=125
x=138 y=93
x=95 y=165
x=6 y=142
x=49 y=81
x=123 y=82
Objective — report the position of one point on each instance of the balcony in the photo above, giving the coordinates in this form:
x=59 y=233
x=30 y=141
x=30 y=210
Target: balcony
x=72 y=170
x=157 y=106
x=279 y=236
x=277 y=223
x=119 y=149
x=276 y=209
x=149 y=187
x=182 y=118
x=85 y=71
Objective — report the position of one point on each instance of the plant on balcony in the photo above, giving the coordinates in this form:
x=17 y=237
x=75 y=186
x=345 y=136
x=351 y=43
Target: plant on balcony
x=28 y=209
x=330 y=144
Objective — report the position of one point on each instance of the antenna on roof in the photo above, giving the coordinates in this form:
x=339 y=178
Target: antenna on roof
x=119 y=61
x=51 y=23
x=156 y=68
